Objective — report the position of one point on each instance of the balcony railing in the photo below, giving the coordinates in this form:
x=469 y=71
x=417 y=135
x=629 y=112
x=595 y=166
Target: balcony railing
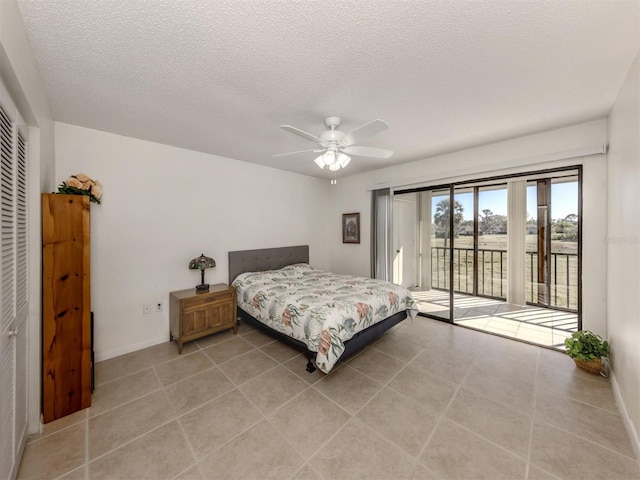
x=492 y=275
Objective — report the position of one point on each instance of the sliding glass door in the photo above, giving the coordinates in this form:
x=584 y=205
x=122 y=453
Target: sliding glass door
x=552 y=243
x=423 y=231
x=442 y=219
x=500 y=254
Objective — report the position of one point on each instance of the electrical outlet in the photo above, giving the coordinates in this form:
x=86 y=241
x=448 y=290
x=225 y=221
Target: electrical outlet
x=146 y=308
x=158 y=307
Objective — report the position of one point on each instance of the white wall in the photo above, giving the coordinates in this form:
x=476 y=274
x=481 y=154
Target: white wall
x=623 y=246
x=533 y=152
x=20 y=75
x=163 y=206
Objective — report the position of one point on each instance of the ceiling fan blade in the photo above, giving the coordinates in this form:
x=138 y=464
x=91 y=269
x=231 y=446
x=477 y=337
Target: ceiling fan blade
x=293 y=153
x=301 y=133
x=368 y=152
x=367 y=130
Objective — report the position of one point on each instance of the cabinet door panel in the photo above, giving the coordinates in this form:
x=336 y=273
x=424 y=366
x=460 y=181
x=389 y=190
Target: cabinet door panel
x=221 y=312
x=195 y=320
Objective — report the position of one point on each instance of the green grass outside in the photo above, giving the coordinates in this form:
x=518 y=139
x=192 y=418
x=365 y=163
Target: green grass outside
x=489 y=273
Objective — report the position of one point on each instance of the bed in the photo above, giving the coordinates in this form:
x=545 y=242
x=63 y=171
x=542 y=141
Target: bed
x=325 y=315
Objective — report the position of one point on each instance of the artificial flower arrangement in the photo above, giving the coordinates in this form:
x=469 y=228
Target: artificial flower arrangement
x=81 y=184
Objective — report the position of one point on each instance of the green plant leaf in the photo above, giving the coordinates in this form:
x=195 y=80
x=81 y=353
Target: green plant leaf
x=585 y=345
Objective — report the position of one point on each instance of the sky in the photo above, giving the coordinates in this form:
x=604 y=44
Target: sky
x=564 y=201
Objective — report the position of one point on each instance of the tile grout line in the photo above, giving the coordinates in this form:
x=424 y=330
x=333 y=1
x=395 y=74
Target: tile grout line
x=235 y=387
x=86 y=447
x=488 y=440
x=587 y=439
x=184 y=433
x=89 y=461
x=442 y=416
x=533 y=419
x=311 y=386
x=533 y=416
x=131 y=400
x=265 y=416
x=416 y=458
x=72 y=471
x=297 y=473
x=157 y=427
x=121 y=376
x=364 y=405
x=188 y=441
x=41 y=436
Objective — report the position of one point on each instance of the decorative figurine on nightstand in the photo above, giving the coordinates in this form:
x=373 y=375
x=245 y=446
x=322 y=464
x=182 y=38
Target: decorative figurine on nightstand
x=200 y=263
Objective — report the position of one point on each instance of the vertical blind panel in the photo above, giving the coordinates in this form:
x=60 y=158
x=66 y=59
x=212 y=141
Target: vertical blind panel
x=7 y=218
x=21 y=222
x=382 y=208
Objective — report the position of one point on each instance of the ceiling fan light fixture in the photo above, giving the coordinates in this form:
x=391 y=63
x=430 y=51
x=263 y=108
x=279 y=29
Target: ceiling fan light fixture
x=329 y=157
x=343 y=160
x=332 y=161
x=336 y=146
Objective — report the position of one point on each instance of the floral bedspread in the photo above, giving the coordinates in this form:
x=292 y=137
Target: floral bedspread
x=318 y=308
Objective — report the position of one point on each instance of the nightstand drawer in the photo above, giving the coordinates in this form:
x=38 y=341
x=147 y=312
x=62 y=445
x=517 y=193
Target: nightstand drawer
x=203 y=299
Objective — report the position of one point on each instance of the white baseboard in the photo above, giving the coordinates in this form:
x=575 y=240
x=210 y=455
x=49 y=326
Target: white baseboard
x=624 y=415
x=99 y=357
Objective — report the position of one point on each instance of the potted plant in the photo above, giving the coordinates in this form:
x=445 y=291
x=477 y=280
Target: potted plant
x=587 y=349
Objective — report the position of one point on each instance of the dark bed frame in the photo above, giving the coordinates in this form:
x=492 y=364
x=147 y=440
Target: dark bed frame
x=275 y=258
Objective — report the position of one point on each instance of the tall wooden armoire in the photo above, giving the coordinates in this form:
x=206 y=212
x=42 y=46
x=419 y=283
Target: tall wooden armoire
x=66 y=305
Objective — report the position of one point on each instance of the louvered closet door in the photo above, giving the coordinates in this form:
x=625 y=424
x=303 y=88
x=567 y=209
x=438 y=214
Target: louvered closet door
x=7 y=318
x=21 y=294
x=13 y=289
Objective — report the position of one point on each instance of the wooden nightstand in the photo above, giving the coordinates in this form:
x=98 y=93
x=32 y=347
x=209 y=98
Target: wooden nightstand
x=194 y=315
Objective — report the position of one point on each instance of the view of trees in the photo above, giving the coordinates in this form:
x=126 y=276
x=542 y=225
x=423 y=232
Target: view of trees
x=489 y=223
x=480 y=264
x=441 y=218
x=565 y=229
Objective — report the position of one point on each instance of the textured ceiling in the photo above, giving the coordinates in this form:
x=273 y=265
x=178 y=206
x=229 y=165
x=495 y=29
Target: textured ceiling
x=219 y=76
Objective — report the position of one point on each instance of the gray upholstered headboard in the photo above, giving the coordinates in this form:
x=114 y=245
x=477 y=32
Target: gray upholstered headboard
x=265 y=259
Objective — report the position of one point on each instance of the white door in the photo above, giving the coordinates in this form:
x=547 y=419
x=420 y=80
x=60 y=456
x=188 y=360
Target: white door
x=13 y=288
x=404 y=241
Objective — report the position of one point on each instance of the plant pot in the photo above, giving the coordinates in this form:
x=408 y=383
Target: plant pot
x=591 y=366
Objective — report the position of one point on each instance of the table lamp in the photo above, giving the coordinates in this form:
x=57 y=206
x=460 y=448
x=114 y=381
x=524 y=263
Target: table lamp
x=200 y=263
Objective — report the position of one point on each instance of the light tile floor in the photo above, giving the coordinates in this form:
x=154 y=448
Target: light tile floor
x=530 y=323
x=427 y=401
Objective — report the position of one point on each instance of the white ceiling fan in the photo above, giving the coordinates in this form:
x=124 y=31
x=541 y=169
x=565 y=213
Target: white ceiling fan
x=336 y=146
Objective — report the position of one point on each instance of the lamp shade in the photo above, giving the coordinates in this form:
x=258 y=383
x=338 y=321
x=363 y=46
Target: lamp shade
x=202 y=262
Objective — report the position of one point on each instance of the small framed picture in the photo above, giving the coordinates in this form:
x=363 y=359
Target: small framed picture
x=350 y=228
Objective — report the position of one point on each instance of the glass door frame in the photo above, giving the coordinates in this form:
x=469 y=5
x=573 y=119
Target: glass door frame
x=452 y=200
x=452 y=186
